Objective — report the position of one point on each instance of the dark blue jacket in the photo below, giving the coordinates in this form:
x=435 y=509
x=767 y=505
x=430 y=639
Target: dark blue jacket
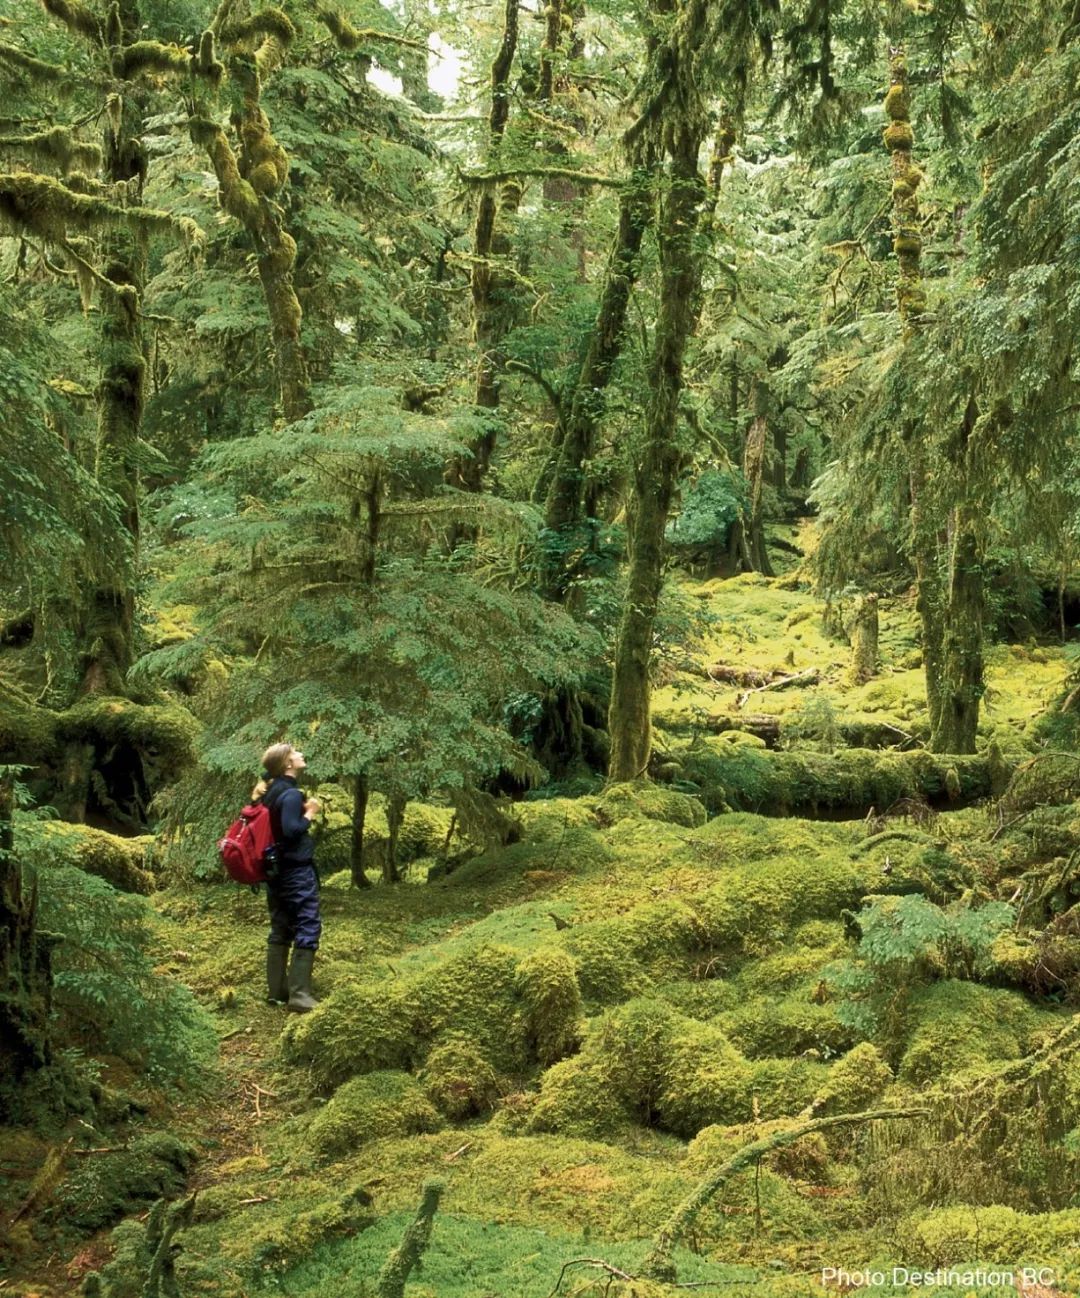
x=290 y=825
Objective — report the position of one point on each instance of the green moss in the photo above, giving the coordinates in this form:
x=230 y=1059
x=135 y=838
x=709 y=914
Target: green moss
x=371 y=1107
x=123 y=862
x=459 y=1080
x=961 y=1027
x=295 y=1235
x=475 y=994
x=651 y=801
x=358 y=1028
x=27 y=731
x=577 y=1099
x=788 y=1026
x=551 y=1000
x=945 y=1236
x=857 y=779
x=854 y=1081
x=167 y=730
x=106 y=1187
x=898 y=136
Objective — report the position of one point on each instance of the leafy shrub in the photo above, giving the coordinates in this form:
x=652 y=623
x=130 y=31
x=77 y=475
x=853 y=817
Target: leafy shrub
x=106 y=992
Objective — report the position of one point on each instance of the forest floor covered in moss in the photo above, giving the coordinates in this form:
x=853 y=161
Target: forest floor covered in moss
x=574 y=1030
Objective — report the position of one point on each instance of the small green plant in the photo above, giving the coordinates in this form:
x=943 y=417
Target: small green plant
x=908 y=940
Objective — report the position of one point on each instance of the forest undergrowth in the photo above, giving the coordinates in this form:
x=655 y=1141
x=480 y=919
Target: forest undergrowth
x=574 y=1031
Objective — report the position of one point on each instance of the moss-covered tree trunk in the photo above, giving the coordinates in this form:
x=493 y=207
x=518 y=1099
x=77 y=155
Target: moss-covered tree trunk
x=950 y=589
x=657 y=468
x=251 y=180
x=565 y=508
x=468 y=471
x=864 y=639
x=757 y=441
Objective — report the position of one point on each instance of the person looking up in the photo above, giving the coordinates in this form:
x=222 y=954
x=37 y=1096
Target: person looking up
x=292 y=882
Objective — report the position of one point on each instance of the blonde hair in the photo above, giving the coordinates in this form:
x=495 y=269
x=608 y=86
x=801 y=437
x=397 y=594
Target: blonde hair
x=274 y=761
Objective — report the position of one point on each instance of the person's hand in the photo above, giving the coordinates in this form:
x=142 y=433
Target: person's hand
x=312 y=808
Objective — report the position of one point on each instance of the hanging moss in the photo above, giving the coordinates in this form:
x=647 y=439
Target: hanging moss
x=57 y=145
x=150 y=56
x=42 y=206
x=369 y=1108
x=907 y=245
x=80 y=19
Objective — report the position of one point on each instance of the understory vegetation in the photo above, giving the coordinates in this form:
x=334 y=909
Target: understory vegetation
x=630 y=447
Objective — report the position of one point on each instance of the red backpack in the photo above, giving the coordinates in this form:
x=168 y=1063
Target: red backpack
x=244 y=846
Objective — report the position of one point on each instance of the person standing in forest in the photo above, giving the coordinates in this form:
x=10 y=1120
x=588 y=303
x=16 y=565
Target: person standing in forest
x=292 y=882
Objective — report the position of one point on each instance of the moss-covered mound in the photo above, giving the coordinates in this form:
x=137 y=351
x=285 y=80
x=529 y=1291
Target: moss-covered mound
x=370 y=1107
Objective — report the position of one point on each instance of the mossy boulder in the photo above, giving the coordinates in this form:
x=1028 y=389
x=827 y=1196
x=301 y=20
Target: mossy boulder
x=107 y=1187
x=854 y=1081
x=788 y=1026
x=458 y=1080
x=369 y=1108
x=642 y=798
x=577 y=1099
x=958 y=1027
x=551 y=1002
x=358 y=1028
x=123 y=862
x=645 y=1062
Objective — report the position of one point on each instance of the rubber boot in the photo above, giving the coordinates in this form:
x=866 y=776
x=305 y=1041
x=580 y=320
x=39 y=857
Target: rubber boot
x=277 y=982
x=300 y=998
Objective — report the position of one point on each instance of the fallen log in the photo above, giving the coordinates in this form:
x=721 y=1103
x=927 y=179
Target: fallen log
x=809 y=677
x=724 y=674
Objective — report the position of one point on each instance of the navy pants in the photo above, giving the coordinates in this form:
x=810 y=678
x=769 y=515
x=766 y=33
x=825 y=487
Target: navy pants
x=293 y=902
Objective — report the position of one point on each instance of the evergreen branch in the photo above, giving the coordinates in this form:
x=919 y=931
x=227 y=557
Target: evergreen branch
x=349 y=37
x=40 y=70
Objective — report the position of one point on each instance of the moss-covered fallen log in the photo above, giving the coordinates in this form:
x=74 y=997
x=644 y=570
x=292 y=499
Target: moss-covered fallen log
x=123 y=862
x=749 y=778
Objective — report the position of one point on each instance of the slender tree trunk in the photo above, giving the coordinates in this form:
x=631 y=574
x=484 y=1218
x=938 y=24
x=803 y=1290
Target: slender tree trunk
x=356 y=846
x=657 y=468
x=757 y=440
x=864 y=639
x=962 y=648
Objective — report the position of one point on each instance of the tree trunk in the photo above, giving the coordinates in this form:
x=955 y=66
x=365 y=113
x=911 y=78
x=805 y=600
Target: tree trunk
x=962 y=650
x=395 y=815
x=658 y=466
x=864 y=639
x=356 y=846
x=565 y=507
x=757 y=440
x=468 y=472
